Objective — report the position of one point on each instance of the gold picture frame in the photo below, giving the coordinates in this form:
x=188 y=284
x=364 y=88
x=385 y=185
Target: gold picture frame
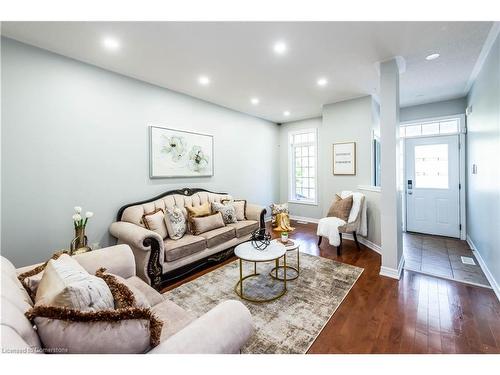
x=344 y=159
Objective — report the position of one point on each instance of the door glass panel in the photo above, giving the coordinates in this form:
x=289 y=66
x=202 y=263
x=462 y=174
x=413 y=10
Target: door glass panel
x=431 y=166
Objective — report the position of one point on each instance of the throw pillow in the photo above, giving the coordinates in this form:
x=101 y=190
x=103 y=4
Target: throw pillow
x=65 y=283
x=155 y=221
x=125 y=294
x=341 y=208
x=227 y=211
x=129 y=328
x=176 y=223
x=31 y=279
x=279 y=208
x=240 y=207
x=204 y=224
x=197 y=211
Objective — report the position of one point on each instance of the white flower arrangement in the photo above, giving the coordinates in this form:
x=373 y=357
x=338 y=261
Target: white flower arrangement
x=198 y=161
x=175 y=146
x=78 y=220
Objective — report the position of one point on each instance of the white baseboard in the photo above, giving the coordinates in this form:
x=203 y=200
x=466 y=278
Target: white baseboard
x=364 y=241
x=303 y=218
x=391 y=272
x=347 y=236
x=484 y=267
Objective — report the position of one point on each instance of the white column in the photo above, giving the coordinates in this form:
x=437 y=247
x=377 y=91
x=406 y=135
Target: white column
x=391 y=215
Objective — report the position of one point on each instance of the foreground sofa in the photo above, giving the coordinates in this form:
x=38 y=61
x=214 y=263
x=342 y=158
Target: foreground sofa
x=224 y=329
x=158 y=259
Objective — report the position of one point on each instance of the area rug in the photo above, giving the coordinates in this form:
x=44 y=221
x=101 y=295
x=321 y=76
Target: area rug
x=289 y=324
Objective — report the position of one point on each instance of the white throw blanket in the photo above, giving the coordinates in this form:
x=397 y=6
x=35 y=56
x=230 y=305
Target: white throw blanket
x=329 y=226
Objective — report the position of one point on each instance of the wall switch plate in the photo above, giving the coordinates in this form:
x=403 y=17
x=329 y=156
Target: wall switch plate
x=474 y=169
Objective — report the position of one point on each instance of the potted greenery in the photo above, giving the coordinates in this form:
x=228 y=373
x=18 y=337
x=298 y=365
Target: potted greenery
x=284 y=237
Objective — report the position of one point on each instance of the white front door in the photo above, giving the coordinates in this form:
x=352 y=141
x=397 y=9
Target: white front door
x=432 y=185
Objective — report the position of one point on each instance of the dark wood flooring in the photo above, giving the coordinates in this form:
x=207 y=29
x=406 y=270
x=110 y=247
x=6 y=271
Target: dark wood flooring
x=417 y=314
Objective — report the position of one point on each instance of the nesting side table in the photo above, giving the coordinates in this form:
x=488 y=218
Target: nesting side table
x=289 y=246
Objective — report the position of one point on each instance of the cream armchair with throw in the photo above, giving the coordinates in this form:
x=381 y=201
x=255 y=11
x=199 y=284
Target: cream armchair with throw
x=333 y=227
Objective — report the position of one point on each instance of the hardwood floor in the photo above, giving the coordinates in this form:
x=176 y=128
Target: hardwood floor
x=417 y=314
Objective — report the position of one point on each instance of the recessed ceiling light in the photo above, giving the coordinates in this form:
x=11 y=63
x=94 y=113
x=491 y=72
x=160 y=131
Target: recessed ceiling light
x=255 y=101
x=280 y=48
x=322 y=81
x=433 y=56
x=111 y=43
x=286 y=113
x=203 y=80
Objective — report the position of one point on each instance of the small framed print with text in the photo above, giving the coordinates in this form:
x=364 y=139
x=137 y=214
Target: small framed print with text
x=344 y=158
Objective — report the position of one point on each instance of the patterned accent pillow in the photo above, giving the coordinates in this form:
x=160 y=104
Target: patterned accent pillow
x=240 y=207
x=176 y=223
x=279 y=208
x=227 y=210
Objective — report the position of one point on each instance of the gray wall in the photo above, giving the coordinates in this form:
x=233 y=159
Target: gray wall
x=351 y=120
x=74 y=134
x=483 y=145
x=436 y=109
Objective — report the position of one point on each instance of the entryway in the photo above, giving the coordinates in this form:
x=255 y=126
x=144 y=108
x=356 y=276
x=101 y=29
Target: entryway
x=433 y=185
x=433 y=203
x=449 y=258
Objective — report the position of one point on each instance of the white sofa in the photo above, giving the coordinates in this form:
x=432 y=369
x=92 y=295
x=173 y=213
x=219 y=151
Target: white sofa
x=224 y=329
x=164 y=259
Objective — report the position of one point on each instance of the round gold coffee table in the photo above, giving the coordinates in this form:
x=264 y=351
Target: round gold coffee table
x=289 y=246
x=246 y=252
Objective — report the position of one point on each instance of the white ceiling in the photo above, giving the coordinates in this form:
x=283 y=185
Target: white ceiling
x=239 y=59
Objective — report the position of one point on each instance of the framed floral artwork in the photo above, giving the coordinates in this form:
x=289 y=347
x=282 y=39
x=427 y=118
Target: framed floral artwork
x=179 y=153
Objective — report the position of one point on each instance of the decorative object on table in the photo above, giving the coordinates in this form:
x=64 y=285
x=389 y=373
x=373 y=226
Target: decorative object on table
x=332 y=227
x=344 y=158
x=276 y=209
x=260 y=239
x=177 y=153
x=284 y=237
x=79 y=243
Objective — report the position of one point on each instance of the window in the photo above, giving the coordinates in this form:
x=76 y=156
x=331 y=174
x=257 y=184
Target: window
x=303 y=163
x=448 y=126
x=431 y=166
x=376 y=160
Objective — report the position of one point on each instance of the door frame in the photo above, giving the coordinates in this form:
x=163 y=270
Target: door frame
x=462 y=165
